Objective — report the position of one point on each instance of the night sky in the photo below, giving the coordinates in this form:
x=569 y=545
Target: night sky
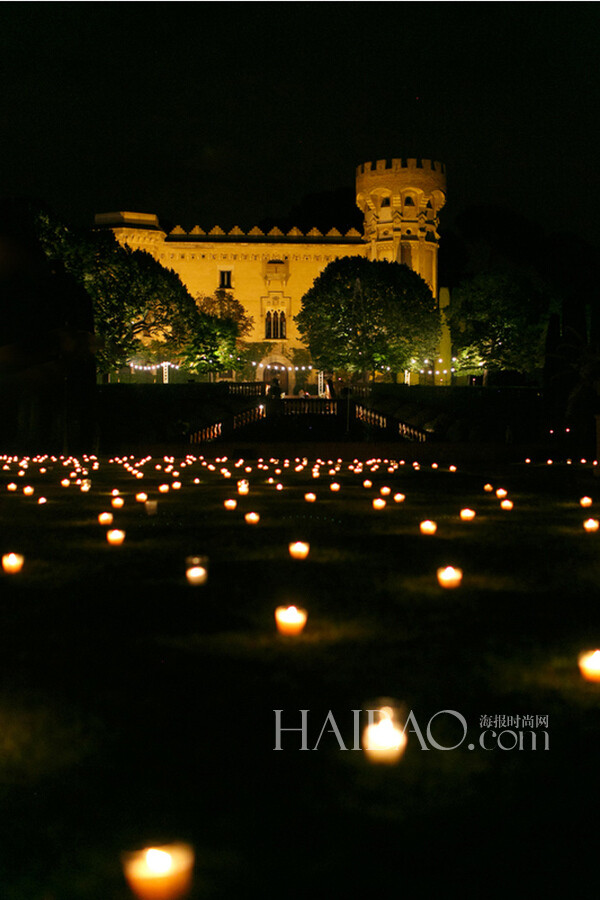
x=230 y=113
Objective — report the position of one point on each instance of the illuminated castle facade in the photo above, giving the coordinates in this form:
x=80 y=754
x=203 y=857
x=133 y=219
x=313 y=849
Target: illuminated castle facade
x=269 y=273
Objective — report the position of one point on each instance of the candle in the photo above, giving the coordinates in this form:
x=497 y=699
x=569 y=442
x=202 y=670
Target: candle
x=334 y=486
x=378 y=503
x=12 y=486
x=310 y=497
x=507 y=504
x=163 y=488
x=367 y=483
x=12 y=563
x=151 y=506
x=176 y=485
x=105 y=518
x=115 y=537
x=65 y=482
x=160 y=873
x=467 y=515
x=589 y=665
x=501 y=493
x=384 y=741
x=252 y=518
x=399 y=498
x=290 y=619
x=28 y=490
x=197 y=569
x=243 y=487
x=428 y=527
x=488 y=488
x=299 y=549
x=230 y=504
x=42 y=500
x=385 y=491
x=117 y=502
x=141 y=497
x=586 y=501
x=449 y=577
x=591 y=524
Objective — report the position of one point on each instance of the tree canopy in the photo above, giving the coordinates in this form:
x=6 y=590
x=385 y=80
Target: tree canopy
x=363 y=316
x=498 y=321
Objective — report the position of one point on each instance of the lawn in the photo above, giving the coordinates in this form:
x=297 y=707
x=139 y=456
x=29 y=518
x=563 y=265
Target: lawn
x=136 y=709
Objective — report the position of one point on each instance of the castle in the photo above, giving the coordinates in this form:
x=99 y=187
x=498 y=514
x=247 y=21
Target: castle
x=269 y=273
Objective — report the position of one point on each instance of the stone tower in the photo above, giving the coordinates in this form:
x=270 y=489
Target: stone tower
x=401 y=200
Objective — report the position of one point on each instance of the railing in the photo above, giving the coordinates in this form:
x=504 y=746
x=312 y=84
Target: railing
x=370 y=417
x=249 y=416
x=373 y=418
x=209 y=433
x=246 y=388
x=301 y=406
x=411 y=433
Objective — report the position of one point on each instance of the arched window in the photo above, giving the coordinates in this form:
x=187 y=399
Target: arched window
x=268 y=326
x=275 y=333
x=282 y=325
x=408 y=201
x=385 y=201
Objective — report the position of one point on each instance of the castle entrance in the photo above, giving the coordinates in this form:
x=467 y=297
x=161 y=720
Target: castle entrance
x=281 y=373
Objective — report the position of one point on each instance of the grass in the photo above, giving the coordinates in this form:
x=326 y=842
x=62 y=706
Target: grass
x=135 y=709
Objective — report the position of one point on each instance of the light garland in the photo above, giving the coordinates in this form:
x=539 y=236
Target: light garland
x=153 y=367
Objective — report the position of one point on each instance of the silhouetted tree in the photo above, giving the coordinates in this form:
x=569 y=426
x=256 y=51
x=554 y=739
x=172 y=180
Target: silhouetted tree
x=362 y=316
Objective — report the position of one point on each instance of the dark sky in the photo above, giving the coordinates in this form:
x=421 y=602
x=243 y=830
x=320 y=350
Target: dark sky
x=225 y=113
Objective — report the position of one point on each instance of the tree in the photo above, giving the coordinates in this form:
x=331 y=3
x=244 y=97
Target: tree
x=140 y=308
x=366 y=316
x=498 y=322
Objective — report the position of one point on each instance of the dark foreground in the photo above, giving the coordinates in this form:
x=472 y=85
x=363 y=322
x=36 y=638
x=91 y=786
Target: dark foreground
x=136 y=710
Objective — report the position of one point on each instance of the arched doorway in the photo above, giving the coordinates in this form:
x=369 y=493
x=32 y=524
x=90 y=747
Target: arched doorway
x=276 y=370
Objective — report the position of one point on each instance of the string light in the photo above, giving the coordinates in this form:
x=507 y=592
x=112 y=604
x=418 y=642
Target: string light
x=154 y=366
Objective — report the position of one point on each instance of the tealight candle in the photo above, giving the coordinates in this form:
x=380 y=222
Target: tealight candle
x=589 y=665
x=384 y=741
x=252 y=518
x=385 y=491
x=299 y=549
x=105 y=518
x=467 y=515
x=449 y=577
x=141 y=497
x=399 y=498
x=501 y=493
x=334 y=486
x=507 y=504
x=290 y=619
x=310 y=497
x=12 y=563
x=65 y=482
x=230 y=504
x=378 y=503
x=591 y=524
x=176 y=485
x=585 y=501
x=163 y=488
x=11 y=487
x=197 y=569
x=488 y=488
x=115 y=537
x=42 y=500
x=367 y=483
x=160 y=873
x=117 y=502
x=428 y=527
x=243 y=487
x=28 y=490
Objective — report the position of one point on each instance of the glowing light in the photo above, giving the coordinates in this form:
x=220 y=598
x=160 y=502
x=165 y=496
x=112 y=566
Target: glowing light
x=310 y=497
x=115 y=537
x=12 y=563
x=230 y=504
x=428 y=527
x=105 y=518
x=501 y=493
x=299 y=549
x=591 y=525
x=586 y=501
x=252 y=518
x=290 y=620
x=589 y=665
x=467 y=515
x=163 y=488
x=449 y=577
x=367 y=484
x=160 y=873
x=379 y=503
x=488 y=488
x=399 y=498
x=507 y=504
x=117 y=502
x=384 y=741
x=28 y=490
x=334 y=486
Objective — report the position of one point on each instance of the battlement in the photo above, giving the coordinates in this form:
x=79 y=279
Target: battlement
x=131 y=219
x=401 y=164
